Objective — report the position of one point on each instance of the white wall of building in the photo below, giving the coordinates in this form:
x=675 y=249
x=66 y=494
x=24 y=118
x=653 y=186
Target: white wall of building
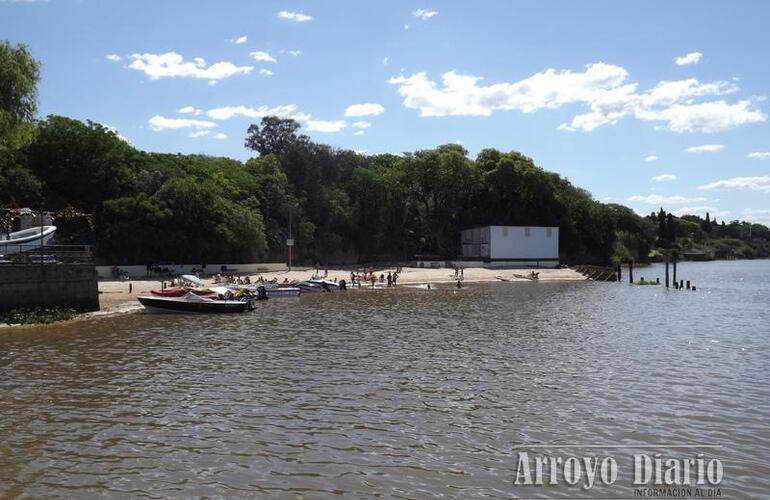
x=523 y=242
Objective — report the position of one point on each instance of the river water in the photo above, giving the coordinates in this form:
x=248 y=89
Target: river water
x=397 y=393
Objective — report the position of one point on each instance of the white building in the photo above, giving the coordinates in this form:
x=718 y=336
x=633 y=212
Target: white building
x=512 y=245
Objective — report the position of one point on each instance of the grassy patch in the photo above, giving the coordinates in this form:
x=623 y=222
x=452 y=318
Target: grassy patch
x=37 y=315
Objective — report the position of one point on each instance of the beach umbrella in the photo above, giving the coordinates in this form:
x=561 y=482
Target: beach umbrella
x=192 y=279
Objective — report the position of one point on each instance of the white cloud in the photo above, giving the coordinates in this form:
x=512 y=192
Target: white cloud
x=366 y=109
x=650 y=158
x=604 y=88
x=701 y=212
x=656 y=199
x=406 y=26
x=385 y=61
x=212 y=83
x=227 y=112
x=759 y=155
x=295 y=53
x=691 y=58
x=325 y=126
x=262 y=56
x=296 y=17
x=189 y=110
x=283 y=111
x=200 y=133
x=265 y=72
x=220 y=136
x=158 y=123
x=359 y=132
x=361 y=124
x=241 y=40
x=757 y=215
x=664 y=178
x=171 y=65
x=759 y=183
x=709 y=117
x=706 y=148
x=115 y=131
x=114 y=57
x=424 y=14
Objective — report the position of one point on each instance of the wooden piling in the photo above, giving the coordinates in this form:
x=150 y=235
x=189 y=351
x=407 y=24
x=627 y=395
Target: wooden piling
x=688 y=284
x=681 y=284
x=666 y=271
x=674 y=262
x=619 y=273
x=130 y=288
x=631 y=271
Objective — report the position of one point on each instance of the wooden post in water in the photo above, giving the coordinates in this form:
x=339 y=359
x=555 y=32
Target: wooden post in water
x=688 y=284
x=130 y=288
x=631 y=271
x=681 y=284
x=620 y=277
x=666 y=271
x=674 y=262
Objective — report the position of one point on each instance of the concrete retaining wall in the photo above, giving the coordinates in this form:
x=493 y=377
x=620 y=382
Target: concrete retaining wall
x=136 y=272
x=34 y=285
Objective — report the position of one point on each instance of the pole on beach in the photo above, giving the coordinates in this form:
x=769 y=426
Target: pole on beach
x=631 y=270
x=666 y=271
x=620 y=276
x=290 y=241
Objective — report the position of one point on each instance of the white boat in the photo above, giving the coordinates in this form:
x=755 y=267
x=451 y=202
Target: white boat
x=28 y=239
x=327 y=285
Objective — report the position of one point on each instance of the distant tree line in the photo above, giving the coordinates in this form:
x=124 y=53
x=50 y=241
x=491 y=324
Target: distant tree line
x=343 y=206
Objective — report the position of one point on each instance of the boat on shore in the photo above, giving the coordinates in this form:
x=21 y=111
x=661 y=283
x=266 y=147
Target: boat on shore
x=28 y=239
x=271 y=290
x=192 y=303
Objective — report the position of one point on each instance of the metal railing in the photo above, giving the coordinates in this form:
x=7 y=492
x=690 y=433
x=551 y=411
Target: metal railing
x=11 y=254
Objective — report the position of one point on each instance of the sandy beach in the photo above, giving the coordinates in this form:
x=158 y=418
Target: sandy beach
x=114 y=296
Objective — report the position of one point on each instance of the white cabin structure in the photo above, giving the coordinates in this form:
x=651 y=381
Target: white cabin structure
x=535 y=246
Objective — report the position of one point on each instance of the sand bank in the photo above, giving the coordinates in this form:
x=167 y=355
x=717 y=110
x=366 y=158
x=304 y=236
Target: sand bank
x=114 y=296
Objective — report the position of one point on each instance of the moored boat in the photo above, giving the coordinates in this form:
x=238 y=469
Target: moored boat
x=28 y=239
x=191 y=303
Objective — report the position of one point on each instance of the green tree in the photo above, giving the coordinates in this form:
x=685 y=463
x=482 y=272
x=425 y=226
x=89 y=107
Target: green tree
x=19 y=75
x=81 y=164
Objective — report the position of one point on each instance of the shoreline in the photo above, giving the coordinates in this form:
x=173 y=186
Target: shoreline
x=113 y=293
x=116 y=300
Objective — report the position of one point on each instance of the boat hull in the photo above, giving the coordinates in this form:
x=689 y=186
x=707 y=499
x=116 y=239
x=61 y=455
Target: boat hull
x=179 y=305
x=28 y=239
x=282 y=292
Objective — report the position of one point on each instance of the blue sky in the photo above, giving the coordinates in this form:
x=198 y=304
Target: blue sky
x=642 y=103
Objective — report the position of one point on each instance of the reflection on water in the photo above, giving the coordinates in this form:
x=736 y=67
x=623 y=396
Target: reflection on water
x=408 y=392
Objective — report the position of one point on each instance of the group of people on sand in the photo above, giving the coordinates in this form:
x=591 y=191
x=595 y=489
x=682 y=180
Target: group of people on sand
x=369 y=276
x=231 y=279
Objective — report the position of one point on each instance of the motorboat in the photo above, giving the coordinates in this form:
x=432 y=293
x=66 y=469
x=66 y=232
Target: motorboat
x=192 y=303
x=28 y=239
x=310 y=287
x=189 y=284
x=326 y=285
x=282 y=291
x=179 y=291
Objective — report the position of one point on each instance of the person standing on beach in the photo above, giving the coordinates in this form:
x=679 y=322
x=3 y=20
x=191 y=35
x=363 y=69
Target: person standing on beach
x=395 y=277
x=390 y=280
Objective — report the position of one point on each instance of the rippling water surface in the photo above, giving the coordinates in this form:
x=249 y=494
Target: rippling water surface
x=406 y=392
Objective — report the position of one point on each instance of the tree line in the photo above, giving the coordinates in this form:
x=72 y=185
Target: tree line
x=344 y=207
